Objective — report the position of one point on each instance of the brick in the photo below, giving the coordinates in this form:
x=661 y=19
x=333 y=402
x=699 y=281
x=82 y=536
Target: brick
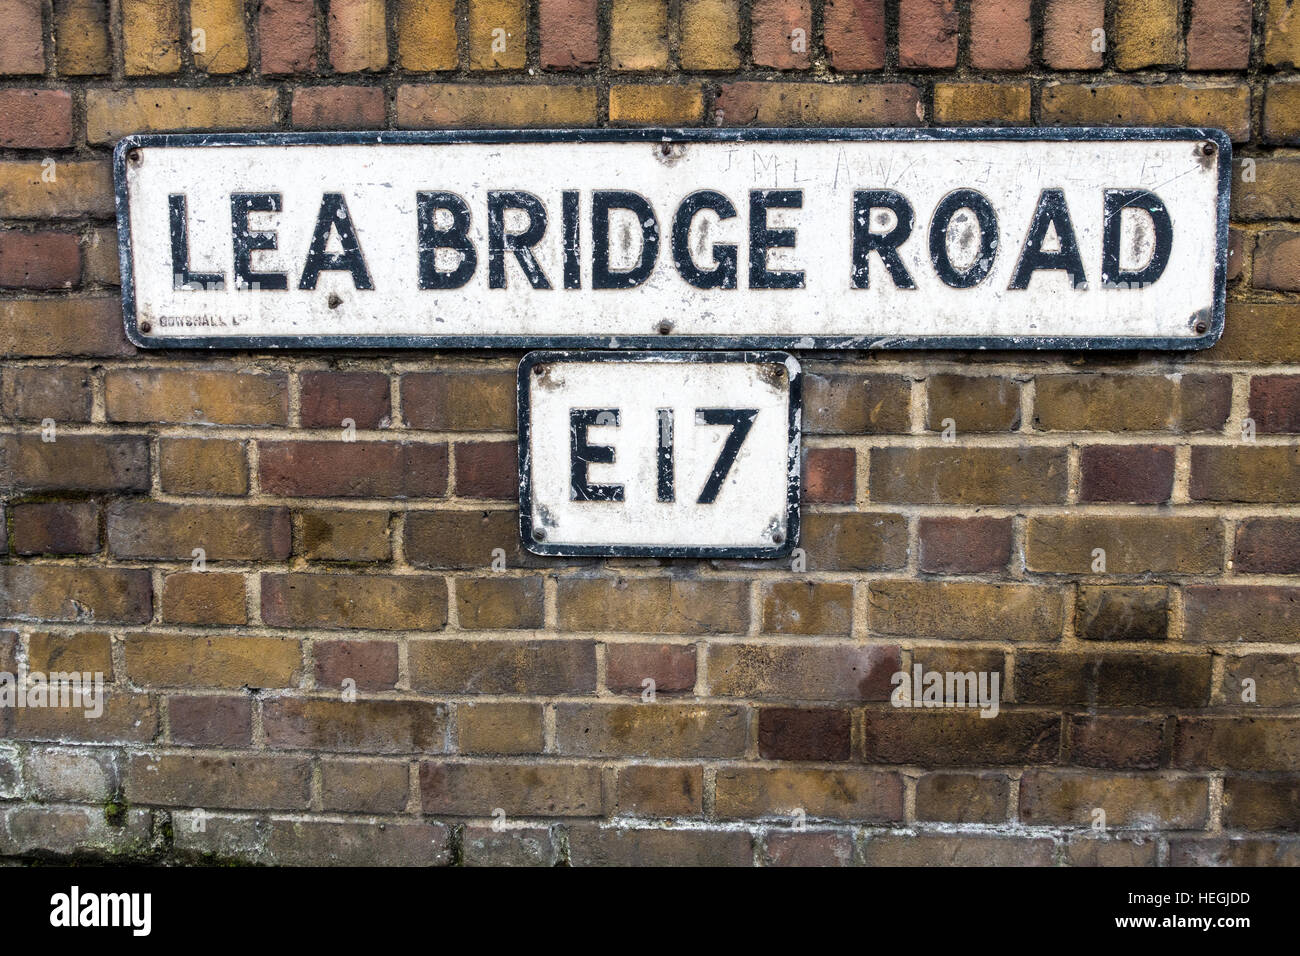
x=1272 y=194
x=152 y=530
x=498 y=34
x=963 y=797
x=287 y=29
x=57 y=774
x=991 y=104
x=39 y=260
x=379 y=602
x=84 y=652
x=204 y=597
x=709 y=35
x=1238 y=253
x=1241 y=613
x=1237 y=743
x=62 y=327
x=592 y=845
x=494 y=666
x=655 y=730
x=498 y=603
x=1112 y=402
x=512 y=846
x=56 y=527
x=552 y=789
x=353 y=469
x=358 y=39
x=1226 y=106
x=659 y=791
x=1282 y=112
x=1277 y=260
x=1069 y=37
x=345 y=536
x=1233 y=851
x=203 y=466
x=81 y=38
x=35 y=119
x=72 y=832
x=338 y=107
x=927 y=33
x=230 y=662
x=781 y=33
x=151 y=37
x=653 y=605
x=487 y=470
x=125 y=719
x=1267 y=546
x=1138 y=801
x=1260 y=332
x=329 y=843
x=830 y=475
x=499 y=728
x=802 y=671
x=981 y=475
x=463 y=539
x=79 y=188
x=1250 y=803
x=1250 y=473
x=1274 y=680
x=1143 y=474
x=23 y=51
x=808 y=848
x=660 y=103
x=808 y=607
x=1275 y=403
x=364 y=786
x=638 y=35
x=219 y=782
x=793 y=733
x=955 y=738
x=211 y=721
x=746 y=103
x=958 y=849
x=426 y=35
x=1281 y=34
x=360 y=726
x=569 y=34
x=865 y=796
x=496 y=105
x=1147 y=33
x=1116 y=742
x=670 y=666
x=1110 y=613
x=1218 y=35
x=64 y=593
x=196 y=396
x=370 y=665
x=964 y=545
x=1114 y=679
x=459 y=401
x=855 y=34
x=327 y=398
x=225 y=42
x=75 y=462
x=959 y=659
x=841 y=404
x=872 y=541
x=99 y=256
x=964 y=610
x=112 y=114
x=1132 y=545
x=1000 y=34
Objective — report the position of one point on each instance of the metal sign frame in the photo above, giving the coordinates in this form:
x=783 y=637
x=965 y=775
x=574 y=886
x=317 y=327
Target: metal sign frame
x=794 y=447
x=1214 y=326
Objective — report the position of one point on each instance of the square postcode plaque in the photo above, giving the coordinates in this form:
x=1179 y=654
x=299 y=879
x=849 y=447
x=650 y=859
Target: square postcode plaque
x=661 y=454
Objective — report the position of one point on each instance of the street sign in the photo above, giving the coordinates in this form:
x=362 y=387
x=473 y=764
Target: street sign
x=744 y=238
x=663 y=454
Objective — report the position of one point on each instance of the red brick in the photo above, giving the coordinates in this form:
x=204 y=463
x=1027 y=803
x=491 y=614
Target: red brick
x=211 y=721
x=23 y=49
x=670 y=666
x=1265 y=743
x=339 y=107
x=329 y=397
x=56 y=527
x=1000 y=34
x=39 y=260
x=356 y=469
x=34 y=393
x=1112 y=679
x=960 y=738
x=359 y=726
x=1242 y=613
x=568 y=30
x=1218 y=37
x=1267 y=546
x=808 y=848
x=287 y=29
x=35 y=119
x=371 y=665
x=1116 y=742
x=791 y=733
x=927 y=33
x=965 y=545
x=1143 y=474
x=487 y=470
x=1275 y=403
x=855 y=34
x=830 y=475
x=774 y=36
x=1277 y=260
x=1068 y=34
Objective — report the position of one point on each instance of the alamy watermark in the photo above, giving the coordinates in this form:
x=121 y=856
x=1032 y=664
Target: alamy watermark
x=56 y=689
x=922 y=688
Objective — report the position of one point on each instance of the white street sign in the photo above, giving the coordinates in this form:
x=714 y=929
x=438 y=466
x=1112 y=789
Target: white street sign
x=848 y=238
x=669 y=454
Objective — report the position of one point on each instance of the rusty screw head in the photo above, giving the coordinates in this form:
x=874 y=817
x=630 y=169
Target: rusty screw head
x=778 y=537
x=134 y=157
x=539 y=534
x=1200 y=327
x=665 y=327
x=539 y=370
x=1208 y=149
x=146 y=326
x=334 y=301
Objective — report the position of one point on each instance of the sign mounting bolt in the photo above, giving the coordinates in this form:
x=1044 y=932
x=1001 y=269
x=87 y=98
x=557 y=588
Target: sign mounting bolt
x=146 y=326
x=539 y=534
x=665 y=327
x=135 y=157
x=778 y=537
x=1208 y=149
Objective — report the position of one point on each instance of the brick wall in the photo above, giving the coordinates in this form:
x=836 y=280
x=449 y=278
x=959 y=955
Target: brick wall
x=513 y=697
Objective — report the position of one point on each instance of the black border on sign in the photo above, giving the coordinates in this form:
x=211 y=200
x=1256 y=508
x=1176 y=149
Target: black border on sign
x=669 y=135
x=793 y=445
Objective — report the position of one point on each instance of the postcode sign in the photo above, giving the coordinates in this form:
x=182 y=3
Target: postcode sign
x=666 y=454
x=750 y=238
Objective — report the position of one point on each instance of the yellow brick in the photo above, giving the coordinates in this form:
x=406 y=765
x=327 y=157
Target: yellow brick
x=62 y=188
x=992 y=103
x=710 y=35
x=358 y=35
x=1165 y=104
x=151 y=36
x=498 y=34
x=476 y=105
x=817 y=104
x=1282 y=112
x=111 y=114
x=426 y=34
x=638 y=35
x=225 y=43
x=656 y=105
x=1147 y=33
x=1282 y=33
x=81 y=37
x=174 y=660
